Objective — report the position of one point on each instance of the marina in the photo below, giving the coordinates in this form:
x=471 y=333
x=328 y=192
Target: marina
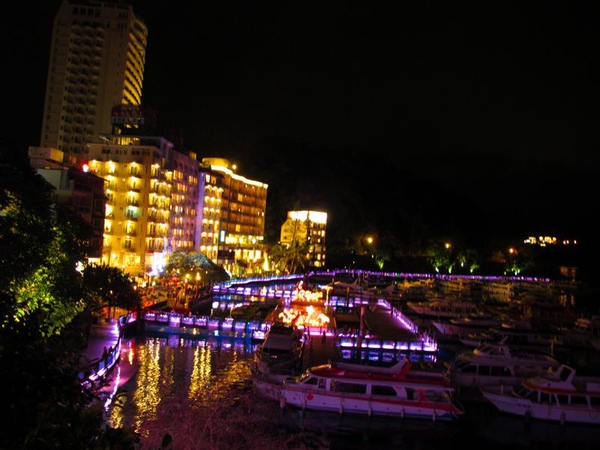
x=374 y=332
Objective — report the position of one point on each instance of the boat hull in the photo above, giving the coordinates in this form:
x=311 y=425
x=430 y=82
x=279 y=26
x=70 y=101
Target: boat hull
x=368 y=406
x=576 y=414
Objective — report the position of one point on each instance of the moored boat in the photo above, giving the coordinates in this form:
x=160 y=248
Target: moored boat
x=442 y=308
x=517 y=337
x=582 y=332
x=558 y=395
x=396 y=391
x=497 y=364
x=459 y=326
x=282 y=352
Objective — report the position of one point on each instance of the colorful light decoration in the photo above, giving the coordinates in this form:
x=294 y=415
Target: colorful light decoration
x=298 y=313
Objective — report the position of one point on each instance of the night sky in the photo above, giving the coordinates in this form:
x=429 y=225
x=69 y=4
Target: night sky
x=490 y=110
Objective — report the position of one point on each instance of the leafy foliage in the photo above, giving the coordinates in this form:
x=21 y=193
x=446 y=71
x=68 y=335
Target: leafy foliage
x=191 y=263
x=292 y=258
x=110 y=287
x=41 y=301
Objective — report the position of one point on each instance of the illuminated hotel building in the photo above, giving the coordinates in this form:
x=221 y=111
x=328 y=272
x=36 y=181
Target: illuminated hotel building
x=97 y=58
x=209 y=223
x=309 y=227
x=243 y=207
x=152 y=200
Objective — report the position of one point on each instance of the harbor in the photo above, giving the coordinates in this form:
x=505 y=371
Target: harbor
x=222 y=347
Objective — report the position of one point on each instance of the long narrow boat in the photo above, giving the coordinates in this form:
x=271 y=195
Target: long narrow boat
x=558 y=395
x=396 y=391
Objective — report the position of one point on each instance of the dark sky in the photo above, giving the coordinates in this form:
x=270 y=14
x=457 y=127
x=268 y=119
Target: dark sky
x=495 y=102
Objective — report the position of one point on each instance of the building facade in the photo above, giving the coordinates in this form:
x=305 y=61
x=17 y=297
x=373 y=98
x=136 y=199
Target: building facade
x=242 y=228
x=157 y=200
x=139 y=184
x=97 y=58
x=75 y=187
x=307 y=227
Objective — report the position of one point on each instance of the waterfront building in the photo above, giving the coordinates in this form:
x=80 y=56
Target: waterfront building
x=76 y=187
x=139 y=183
x=242 y=225
x=157 y=200
x=97 y=58
x=211 y=188
x=309 y=227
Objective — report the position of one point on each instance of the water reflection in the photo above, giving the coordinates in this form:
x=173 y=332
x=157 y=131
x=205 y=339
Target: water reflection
x=199 y=370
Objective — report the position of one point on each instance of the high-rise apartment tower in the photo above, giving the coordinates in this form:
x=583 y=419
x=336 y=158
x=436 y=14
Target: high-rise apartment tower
x=97 y=58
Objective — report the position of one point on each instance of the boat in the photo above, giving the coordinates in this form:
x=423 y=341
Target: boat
x=495 y=364
x=393 y=391
x=459 y=326
x=558 y=395
x=442 y=308
x=521 y=335
x=282 y=351
x=582 y=332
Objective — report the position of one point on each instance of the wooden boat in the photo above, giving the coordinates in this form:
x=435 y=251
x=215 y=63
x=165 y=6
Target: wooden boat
x=282 y=351
x=497 y=363
x=396 y=391
x=558 y=395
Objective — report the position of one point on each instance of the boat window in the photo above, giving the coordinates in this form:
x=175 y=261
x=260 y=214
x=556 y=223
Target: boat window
x=522 y=391
x=562 y=399
x=383 y=390
x=499 y=371
x=468 y=368
x=322 y=383
x=595 y=401
x=354 y=388
x=581 y=400
x=303 y=378
x=309 y=380
x=437 y=396
x=546 y=398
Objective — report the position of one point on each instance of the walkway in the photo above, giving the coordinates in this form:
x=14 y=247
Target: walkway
x=102 y=336
x=102 y=342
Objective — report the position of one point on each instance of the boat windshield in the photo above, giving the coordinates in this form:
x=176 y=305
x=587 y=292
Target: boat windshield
x=305 y=378
x=522 y=391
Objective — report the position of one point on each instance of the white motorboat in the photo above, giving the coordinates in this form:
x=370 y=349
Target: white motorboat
x=497 y=364
x=459 y=326
x=396 y=391
x=558 y=395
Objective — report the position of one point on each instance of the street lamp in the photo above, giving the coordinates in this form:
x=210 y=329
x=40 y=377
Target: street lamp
x=328 y=289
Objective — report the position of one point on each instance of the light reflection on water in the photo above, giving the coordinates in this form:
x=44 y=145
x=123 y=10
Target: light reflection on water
x=170 y=368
